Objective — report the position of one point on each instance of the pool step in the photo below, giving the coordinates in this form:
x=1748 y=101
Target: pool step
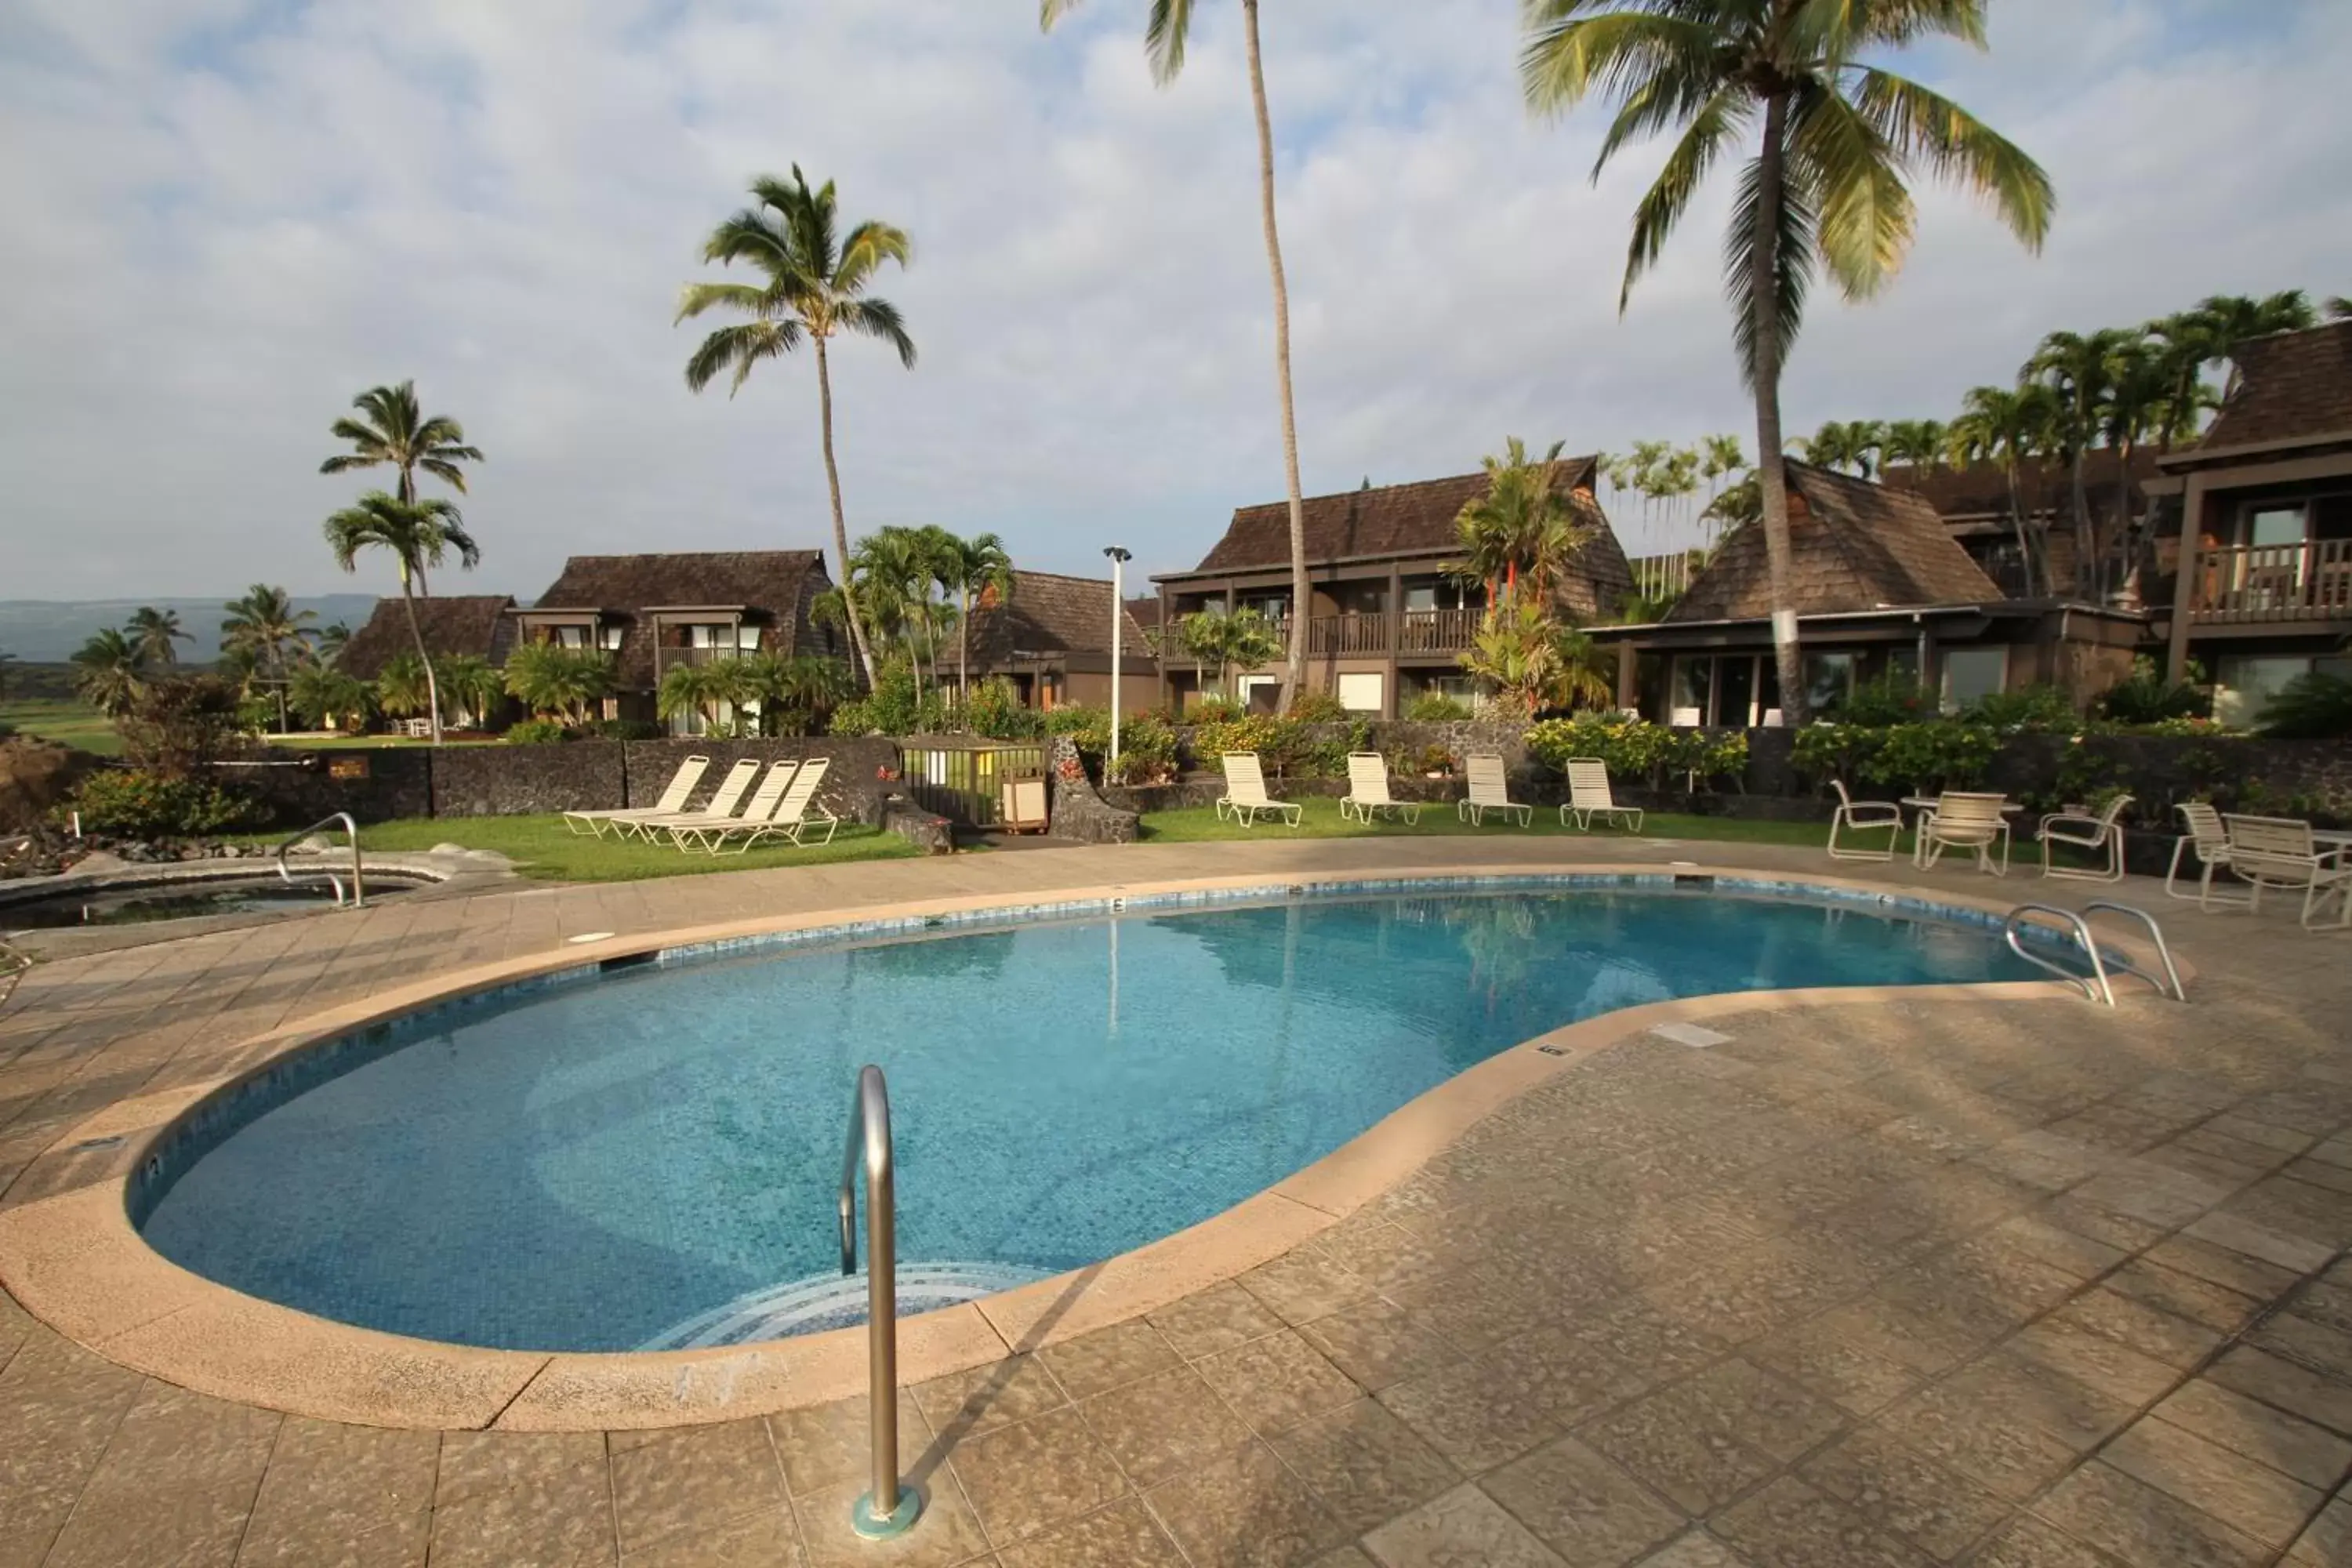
x=823 y=1301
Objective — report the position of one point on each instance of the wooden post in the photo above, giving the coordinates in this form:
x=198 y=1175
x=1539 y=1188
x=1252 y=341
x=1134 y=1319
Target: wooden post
x=2184 y=583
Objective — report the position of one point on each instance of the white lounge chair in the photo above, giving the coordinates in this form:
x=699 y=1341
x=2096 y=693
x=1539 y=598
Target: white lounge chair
x=1490 y=790
x=2093 y=831
x=2210 y=839
x=2278 y=852
x=1246 y=798
x=1368 y=791
x=1966 y=820
x=719 y=807
x=794 y=816
x=624 y=820
x=1863 y=817
x=709 y=834
x=1589 y=796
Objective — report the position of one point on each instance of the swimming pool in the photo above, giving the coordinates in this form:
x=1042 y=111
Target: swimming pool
x=647 y=1157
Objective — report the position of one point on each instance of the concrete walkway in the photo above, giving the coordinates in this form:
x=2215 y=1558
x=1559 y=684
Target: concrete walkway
x=2013 y=1283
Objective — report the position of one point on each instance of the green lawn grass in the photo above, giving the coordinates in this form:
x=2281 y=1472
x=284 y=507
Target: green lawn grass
x=68 y=723
x=542 y=847
x=364 y=742
x=1197 y=824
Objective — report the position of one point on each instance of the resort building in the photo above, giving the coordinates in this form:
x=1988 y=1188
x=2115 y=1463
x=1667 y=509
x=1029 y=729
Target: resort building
x=654 y=613
x=1981 y=512
x=1052 y=640
x=467 y=626
x=1388 y=620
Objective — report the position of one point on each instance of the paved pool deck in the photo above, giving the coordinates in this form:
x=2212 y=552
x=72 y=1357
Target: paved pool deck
x=1912 y=1280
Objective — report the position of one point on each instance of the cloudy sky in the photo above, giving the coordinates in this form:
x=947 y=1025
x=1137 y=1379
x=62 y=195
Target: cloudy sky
x=221 y=219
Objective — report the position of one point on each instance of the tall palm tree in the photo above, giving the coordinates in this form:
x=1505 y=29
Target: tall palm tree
x=1164 y=37
x=416 y=534
x=154 y=632
x=1826 y=190
x=2080 y=370
x=110 y=674
x=1918 y=442
x=815 y=289
x=472 y=685
x=979 y=568
x=265 y=627
x=2007 y=426
x=395 y=432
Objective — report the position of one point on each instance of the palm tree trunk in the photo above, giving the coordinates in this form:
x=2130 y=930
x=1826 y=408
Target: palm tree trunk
x=840 y=528
x=1294 y=675
x=432 y=687
x=963 y=647
x=2017 y=521
x=1772 y=463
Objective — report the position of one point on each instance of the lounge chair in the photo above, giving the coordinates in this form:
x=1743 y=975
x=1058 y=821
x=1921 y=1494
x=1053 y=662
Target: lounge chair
x=719 y=807
x=1246 y=798
x=2210 y=839
x=1368 y=791
x=1589 y=796
x=2095 y=832
x=1863 y=817
x=792 y=817
x=2278 y=852
x=1970 y=821
x=624 y=820
x=1490 y=790
x=709 y=833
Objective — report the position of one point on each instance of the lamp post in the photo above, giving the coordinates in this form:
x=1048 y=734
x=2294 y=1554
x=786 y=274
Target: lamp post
x=1119 y=560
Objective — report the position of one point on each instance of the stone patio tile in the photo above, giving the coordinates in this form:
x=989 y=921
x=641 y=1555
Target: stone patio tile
x=946 y=1534
x=1214 y=1320
x=2050 y=1160
x=1171 y=1421
x=1571 y=1379
x=1463 y=1528
x=1380 y=1254
x=2175 y=1342
x=175 y=1440
x=2326 y=1303
x=1479 y=1413
x=965 y=1404
x=178 y=1524
x=2328 y=1543
x=1303 y=1285
x=1367 y=1466
x=2151 y=1193
x=2280 y=1140
x=2321 y=1173
x=2297 y=1254
x=2013 y=1459
x=2094 y=1361
x=695 y=1478
x=1902 y=1491
x=1277 y=1382
x=1818 y=1356
x=2079 y=1214
x=329 y=1484
x=2143 y=1526
x=2055 y=1247
x=1036 y=1474
x=1672 y=1442
x=2028 y=1543
x=2182 y=1295
x=473 y=1463
x=544 y=1518
x=768 y=1539
x=1378 y=1343
x=1244 y=1509
x=1123 y=1535
x=1789 y=1524
x=1108 y=1358
x=2253 y=1498
x=1474 y=1310
x=2232 y=1270
x=2296 y=1209
x=1695 y=1549
x=1581 y=1506
x=2248 y=1427
x=822 y=1445
x=2299 y=1338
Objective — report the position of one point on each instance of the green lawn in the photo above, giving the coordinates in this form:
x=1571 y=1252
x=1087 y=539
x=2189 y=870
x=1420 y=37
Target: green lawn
x=66 y=722
x=542 y=847
x=362 y=742
x=1195 y=825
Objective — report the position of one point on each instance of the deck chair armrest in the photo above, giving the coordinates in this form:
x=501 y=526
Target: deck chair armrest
x=2072 y=819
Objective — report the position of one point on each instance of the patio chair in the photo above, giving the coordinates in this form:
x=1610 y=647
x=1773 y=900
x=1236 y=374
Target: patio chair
x=1963 y=820
x=624 y=820
x=1246 y=798
x=1863 y=817
x=2094 y=832
x=794 y=816
x=1490 y=790
x=711 y=832
x=1589 y=796
x=719 y=807
x=1368 y=791
x=2278 y=852
x=2210 y=839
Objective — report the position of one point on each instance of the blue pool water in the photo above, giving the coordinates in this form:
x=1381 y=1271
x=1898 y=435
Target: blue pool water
x=650 y=1157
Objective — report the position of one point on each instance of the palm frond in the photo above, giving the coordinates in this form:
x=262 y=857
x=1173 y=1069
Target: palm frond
x=878 y=319
x=751 y=235
x=696 y=298
x=1791 y=238
x=1864 y=216
x=1569 y=56
x=1958 y=148
x=742 y=346
x=1164 y=36
x=1717 y=123
x=1052 y=11
x=869 y=244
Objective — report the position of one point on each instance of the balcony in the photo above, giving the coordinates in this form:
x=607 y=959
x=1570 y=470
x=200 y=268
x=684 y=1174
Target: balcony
x=668 y=658
x=1442 y=632
x=2270 y=583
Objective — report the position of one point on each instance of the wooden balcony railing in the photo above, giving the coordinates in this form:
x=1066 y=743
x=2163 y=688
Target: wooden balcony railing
x=1411 y=632
x=668 y=658
x=1437 y=631
x=2308 y=582
x=1348 y=634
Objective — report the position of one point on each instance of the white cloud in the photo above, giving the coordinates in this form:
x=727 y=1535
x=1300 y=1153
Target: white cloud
x=222 y=219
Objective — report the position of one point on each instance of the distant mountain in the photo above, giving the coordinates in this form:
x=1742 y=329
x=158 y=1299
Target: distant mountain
x=45 y=631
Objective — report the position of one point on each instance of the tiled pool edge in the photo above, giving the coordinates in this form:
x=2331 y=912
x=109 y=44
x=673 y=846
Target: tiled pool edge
x=392 y=1381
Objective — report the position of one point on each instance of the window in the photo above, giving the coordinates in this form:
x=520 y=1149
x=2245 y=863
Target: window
x=2274 y=524
x=571 y=637
x=1829 y=681
x=1694 y=683
x=1735 y=690
x=1259 y=693
x=746 y=639
x=1361 y=693
x=613 y=639
x=1970 y=673
x=2244 y=684
x=1272 y=606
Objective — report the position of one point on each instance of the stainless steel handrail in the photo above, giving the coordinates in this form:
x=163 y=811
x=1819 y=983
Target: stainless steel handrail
x=351 y=828
x=2168 y=986
x=2178 y=992
x=887 y=1510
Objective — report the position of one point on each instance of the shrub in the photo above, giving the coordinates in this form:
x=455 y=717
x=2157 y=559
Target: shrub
x=1940 y=753
x=1893 y=698
x=2038 y=707
x=1435 y=707
x=1286 y=746
x=1702 y=756
x=995 y=711
x=2311 y=708
x=1630 y=748
x=1318 y=707
x=137 y=803
x=620 y=730
x=1213 y=710
x=1146 y=750
x=176 y=727
x=2145 y=697
x=537 y=732
x=892 y=707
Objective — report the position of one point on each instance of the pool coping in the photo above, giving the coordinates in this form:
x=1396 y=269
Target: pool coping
x=75 y=1260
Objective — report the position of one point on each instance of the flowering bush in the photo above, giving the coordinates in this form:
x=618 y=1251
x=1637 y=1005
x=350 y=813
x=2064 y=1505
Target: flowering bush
x=1636 y=748
x=1940 y=753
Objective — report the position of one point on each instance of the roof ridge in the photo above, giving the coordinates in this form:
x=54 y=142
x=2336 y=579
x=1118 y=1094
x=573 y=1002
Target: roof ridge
x=1584 y=460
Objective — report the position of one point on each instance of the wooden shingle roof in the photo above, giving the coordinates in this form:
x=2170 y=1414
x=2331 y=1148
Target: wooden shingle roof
x=2292 y=386
x=773 y=587
x=465 y=625
x=1853 y=545
x=1049 y=614
x=1979 y=492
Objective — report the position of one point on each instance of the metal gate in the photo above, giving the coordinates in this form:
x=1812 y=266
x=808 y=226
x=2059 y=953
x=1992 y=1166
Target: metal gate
x=962 y=778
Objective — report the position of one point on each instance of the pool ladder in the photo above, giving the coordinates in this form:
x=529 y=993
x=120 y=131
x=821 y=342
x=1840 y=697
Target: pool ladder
x=352 y=831
x=889 y=1508
x=2095 y=984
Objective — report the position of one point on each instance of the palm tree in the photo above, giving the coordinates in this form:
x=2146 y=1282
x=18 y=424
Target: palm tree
x=154 y=632
x=395 y=432
x=1521 y=524
x=803 y=689
x=333 y=639
x=1827 y=189
x=1165 y=35
x=405 y=686
x=1223 y=639
x=1918 y=442
x=416 y=534
x=322 y=693
x=470 y=684
x=815 y=289
x=2007 y=426
x=978 y=568
x=2080 y=370
x=1532 y=661
x=109 y=672
x=265 y=627
x=552 y=679
x=2339 y=308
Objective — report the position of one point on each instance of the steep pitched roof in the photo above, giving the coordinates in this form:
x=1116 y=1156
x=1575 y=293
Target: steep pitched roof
x=1050 y=614
x=471 y=624
x=1979 y=491
x=774 y=587
x=1853 y=545
x=2292 y=386
x=1414 y=519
